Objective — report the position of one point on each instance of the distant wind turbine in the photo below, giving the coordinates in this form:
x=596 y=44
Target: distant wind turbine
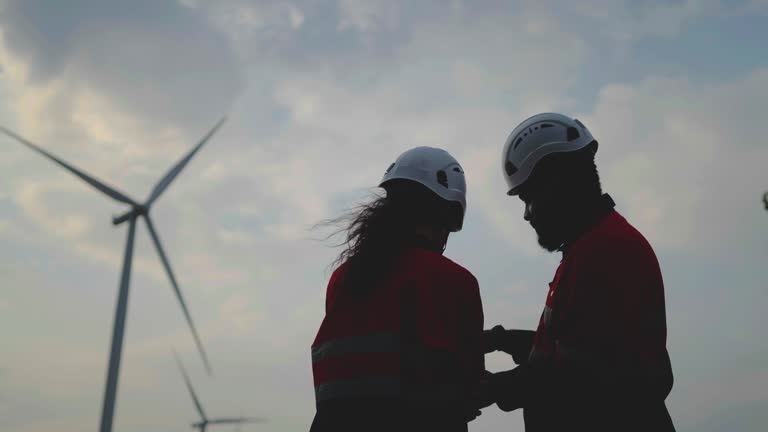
x=204 y=422
x=136 y=210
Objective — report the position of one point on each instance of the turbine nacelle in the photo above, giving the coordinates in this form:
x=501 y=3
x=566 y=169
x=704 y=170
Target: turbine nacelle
x=134 y=212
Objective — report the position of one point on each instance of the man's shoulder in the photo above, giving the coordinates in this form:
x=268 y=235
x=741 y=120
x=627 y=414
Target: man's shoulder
x=617 y=255
x=614 y=237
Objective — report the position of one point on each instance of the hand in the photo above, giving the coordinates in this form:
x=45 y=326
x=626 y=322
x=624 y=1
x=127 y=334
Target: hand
x=480 y=392
x=510 y=388
x=493 y=339
x=518 y=344
x=471 y=414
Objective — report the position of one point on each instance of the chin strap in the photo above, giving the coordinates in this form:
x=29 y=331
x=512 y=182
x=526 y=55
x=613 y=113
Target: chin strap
x=442 y=244
x=445 y=241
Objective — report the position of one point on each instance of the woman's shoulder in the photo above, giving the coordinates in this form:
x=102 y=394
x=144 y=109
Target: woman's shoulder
x=425 y=260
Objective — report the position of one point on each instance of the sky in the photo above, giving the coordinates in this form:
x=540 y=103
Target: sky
x=321 y=97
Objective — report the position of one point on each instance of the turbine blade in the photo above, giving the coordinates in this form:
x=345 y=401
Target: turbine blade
x=179 y=296
x=189 y=387
x=171 y=175
x=112 y=192
x=237 y=420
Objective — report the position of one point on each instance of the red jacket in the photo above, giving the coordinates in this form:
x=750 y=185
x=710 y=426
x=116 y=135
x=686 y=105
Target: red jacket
x=372 y=347
x=607 y=296
x=599 y=360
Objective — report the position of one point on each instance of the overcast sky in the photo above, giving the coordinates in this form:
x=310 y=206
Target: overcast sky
x=321 y=97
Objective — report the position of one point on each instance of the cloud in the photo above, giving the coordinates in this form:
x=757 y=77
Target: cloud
x=153 y=61
x=70 y=225
x=328 y=93
x=239 y=316
x=683 y=160
x=54 y=206
x=244 y=20
x=628 y=21
x=367 y=15
x=352 y=129
x=327 y=116
x=722 y=401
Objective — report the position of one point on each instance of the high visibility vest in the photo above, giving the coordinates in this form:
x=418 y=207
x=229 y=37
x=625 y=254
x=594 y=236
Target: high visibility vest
x=357 y=366
x=383 y=345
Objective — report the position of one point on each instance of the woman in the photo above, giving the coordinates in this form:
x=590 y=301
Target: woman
x=400 y=344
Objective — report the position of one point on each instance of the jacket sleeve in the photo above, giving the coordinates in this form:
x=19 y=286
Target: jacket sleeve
x=470 y=329
x=449 y=318
x=445 y=317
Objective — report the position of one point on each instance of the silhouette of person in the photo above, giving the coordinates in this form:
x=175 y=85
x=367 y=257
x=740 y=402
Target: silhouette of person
x=598 y=359
x=400 y=344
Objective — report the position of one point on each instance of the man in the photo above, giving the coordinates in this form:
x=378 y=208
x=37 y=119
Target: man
x=598 y=360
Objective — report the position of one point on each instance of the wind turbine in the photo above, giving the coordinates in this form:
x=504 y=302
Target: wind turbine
x=204 y=422
x=130 y=216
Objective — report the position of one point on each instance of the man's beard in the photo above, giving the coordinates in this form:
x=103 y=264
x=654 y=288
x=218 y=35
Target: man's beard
x=549 y=237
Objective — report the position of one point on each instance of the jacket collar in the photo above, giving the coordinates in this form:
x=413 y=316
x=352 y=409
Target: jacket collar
x=594 y=214
x=419 y=241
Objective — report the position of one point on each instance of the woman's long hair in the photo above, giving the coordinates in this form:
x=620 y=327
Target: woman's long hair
x=377 y=231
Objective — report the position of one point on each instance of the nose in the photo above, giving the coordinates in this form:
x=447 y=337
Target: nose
x=528 y=212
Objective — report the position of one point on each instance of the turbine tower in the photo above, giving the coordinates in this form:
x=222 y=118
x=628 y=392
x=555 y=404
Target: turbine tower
x=137 y=210
x=202 y=425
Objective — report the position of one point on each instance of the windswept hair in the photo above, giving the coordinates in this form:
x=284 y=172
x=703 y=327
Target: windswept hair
x=376 y=232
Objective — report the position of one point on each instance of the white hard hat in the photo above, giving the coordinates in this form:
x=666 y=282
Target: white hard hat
x=536 y=137
x=435 y=169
